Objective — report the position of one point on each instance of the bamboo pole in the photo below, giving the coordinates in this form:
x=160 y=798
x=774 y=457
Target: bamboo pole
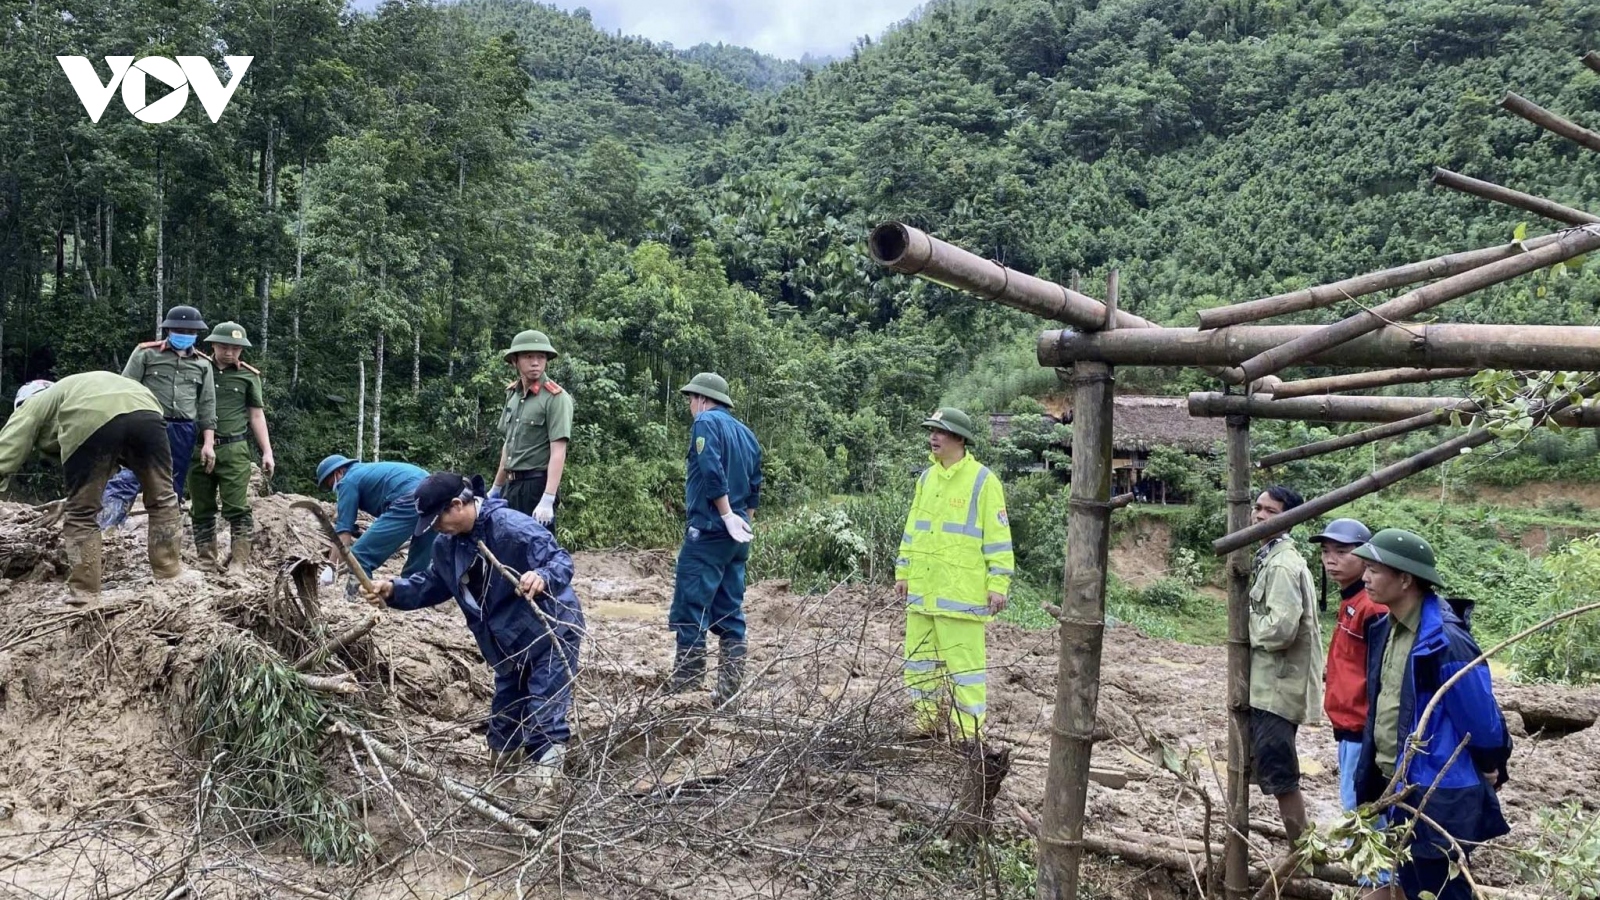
x=1572 y=243
x=1488 y=190
x=1537 y=347
x=1549 y=121
x=1386 y=476
x=1357 y=381
x=1236 y=852
x=1339 y=408
x=1361 y=285
x=1592 y=60
x=912 y=251
x=1355 y=439
x=1361 y=487
x=1082 y=631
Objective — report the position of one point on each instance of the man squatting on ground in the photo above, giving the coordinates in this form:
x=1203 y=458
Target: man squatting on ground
x=721 y=493
x=95 y=422
x=954 y=574
x=528 y=629
x=241 y=412
x=1285 y=647
x=537 y=425
x=1411 y=653
x=181 y=379
x=386 y=490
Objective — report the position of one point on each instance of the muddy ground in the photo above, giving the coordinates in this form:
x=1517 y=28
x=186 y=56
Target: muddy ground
x=808 y=790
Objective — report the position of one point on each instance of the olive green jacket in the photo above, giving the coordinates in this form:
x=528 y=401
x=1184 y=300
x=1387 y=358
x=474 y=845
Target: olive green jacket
x=1285 y=636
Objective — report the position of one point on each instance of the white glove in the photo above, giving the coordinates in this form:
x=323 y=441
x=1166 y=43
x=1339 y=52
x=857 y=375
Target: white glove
x=738 y=528
x=546 y=510
x=494 y=492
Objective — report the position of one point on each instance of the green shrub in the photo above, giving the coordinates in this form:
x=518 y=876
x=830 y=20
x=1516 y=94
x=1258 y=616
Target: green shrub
x=1165 y=593
x=815 y=548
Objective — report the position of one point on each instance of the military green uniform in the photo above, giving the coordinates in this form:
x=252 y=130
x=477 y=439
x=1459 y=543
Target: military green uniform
x=530 y=422
x=239 y=390
x=184 y=385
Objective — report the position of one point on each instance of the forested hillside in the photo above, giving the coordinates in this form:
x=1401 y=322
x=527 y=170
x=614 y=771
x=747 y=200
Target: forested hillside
x=389 y=197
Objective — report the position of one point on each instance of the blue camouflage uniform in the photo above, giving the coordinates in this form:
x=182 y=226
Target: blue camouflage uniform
x=1464 y=803
x=534 y=654
x=708 y=594
x=386 y=490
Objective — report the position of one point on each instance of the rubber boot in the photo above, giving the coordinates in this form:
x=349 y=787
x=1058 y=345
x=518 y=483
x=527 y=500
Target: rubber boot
x=239 y=554
x=208 y=555
x=687 y=669
x=730 y=671
x=504 y=766
x=86 y=556
x=545 y=773
x=166 y=536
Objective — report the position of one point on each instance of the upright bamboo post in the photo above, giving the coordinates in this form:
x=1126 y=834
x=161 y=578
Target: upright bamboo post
x=1082 y=631
x=1236 y=856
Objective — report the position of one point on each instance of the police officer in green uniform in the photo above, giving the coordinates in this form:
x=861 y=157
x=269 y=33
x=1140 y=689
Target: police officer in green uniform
x=537 y=424
x=181 y=378
x=241 y=413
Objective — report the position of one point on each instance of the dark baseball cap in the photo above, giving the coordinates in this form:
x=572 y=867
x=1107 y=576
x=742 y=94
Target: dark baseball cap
x=435 y=493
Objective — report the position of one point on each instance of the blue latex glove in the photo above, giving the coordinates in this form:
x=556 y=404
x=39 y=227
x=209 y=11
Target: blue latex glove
x=494 y=492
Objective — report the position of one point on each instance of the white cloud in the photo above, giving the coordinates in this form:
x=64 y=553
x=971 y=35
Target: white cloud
x=787 y=29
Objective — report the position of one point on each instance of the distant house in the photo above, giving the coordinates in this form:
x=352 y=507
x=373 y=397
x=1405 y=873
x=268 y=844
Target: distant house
x=1139 y=425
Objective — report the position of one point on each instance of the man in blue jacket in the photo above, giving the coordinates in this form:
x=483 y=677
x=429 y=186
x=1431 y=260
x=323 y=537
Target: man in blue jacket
x=385 y=490
x=1411 y=653
x=722 y=491
x=528 y=629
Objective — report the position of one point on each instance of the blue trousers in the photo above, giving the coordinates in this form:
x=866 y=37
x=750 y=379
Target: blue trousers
x=386 y=535
x=1349 y=758
x=533 y=692
x=708 y=591
x=1432 y=874
x=124 y=485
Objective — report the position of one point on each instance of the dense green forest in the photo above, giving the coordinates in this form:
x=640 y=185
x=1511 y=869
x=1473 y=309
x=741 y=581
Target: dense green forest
x=389 y=197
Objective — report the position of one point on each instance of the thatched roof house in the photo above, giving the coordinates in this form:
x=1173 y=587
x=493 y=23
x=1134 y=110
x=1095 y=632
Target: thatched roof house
x=1142 y=423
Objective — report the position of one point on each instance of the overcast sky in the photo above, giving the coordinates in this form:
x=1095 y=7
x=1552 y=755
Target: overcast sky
x=782 y=28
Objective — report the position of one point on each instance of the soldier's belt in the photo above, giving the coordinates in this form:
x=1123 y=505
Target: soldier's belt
x=230 y=439
x=177 y=418
x=526 y=473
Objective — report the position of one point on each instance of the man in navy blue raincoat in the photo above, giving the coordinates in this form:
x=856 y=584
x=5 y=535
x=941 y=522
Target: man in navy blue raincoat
x=1461 y=762
x=528 y=629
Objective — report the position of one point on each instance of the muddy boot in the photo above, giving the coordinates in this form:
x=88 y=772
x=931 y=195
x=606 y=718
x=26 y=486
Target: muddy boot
x=207 y=552
x=239 y=554
x=165 y=537
x=730 y=671
x=545 y=772
x=504 y=766
x=85 y=555
x=687 y=669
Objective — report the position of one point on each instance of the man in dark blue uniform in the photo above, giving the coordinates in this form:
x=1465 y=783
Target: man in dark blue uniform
x=722 y=491
x=528 y=629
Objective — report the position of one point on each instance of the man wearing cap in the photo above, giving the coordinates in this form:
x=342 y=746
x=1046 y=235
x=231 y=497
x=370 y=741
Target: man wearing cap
x=386 y=490
x=182 y=381
x=1285 y=649
x=536 y=424
x=954 y=574
x=527 y=629
x=1460 y=758
x=94 y=422
x=240 y=413
x=722 y=491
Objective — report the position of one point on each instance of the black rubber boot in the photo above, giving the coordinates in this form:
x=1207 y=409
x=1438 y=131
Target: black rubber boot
x=730 y=671
x=688 y=669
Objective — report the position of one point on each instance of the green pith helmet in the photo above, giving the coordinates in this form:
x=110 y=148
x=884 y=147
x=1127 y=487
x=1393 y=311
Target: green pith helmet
x=948 y=418
x=229 y=333
x=709 y=384
x=1403 y=551
x=184 y=317
x=530 y=341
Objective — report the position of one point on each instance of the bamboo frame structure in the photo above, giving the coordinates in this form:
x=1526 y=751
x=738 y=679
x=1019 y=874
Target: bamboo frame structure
x=1362 y=285
x=1488 y=190
x=1536 y=347
x=1102 y=336
x=1575 y=242
x=1357 y=381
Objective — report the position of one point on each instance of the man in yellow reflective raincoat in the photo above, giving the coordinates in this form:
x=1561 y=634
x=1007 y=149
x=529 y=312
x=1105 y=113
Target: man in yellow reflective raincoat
x=954 y=574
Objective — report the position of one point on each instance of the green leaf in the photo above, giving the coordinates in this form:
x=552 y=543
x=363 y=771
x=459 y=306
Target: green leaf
x=1520 y=233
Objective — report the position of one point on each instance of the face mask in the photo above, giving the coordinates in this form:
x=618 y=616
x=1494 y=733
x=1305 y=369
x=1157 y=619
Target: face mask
x=181 y=341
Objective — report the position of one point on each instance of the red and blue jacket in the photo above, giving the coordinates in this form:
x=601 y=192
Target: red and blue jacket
x=1464 y=803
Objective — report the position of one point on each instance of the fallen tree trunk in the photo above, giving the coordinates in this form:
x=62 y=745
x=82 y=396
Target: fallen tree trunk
x=314 y=658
